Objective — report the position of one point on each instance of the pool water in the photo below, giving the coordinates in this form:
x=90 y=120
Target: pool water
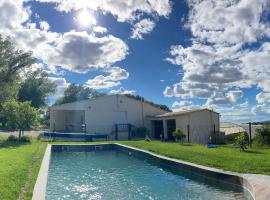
x=117 y=175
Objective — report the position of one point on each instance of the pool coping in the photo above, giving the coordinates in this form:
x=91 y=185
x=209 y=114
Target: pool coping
x=257 y=185
x=39 y=192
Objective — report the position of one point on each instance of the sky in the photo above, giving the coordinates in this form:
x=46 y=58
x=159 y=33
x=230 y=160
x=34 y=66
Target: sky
x=185 y=54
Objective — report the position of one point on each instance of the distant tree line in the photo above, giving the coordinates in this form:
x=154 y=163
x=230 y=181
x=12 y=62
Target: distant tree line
x=76 y=92
x=140 y=98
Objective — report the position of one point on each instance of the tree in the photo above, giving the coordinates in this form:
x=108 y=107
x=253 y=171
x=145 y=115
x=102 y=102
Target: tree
x=76 y=92
x=36 y=88
x=242 y=141
x=140 y=98
x=19 y=116
x=179 y=135
x=262 y=136
x=11 y=62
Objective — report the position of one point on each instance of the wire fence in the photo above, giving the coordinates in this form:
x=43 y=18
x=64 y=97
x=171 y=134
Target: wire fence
x=202 y=134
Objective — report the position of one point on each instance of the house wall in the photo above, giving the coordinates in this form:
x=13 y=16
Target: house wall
x=100 y=113
x=201 y=125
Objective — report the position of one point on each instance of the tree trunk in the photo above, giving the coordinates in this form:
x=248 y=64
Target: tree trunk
x=20 y=134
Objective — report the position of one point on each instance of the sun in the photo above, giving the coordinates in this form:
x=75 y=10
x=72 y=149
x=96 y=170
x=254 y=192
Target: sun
x=86 y=18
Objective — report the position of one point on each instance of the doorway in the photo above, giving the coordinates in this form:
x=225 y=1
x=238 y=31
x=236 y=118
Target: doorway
x=171 y=126
x=158 y=129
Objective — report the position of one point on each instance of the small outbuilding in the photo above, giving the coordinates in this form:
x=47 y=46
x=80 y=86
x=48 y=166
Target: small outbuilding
x=200 y=126
x=118 y=115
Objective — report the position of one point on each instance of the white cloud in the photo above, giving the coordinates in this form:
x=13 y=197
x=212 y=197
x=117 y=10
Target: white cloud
x=44 y=25
x=123 y=10
x=73 y=51
x=61 y=84
x=220 y=62
x=113 y=79
x=99 y=29
x=184 y=105
x=145 y=26
x=228 y=21
x=231 y=97
x=81 y=52
x=261 y=110
x=12 y=14
x=263 y=98
x=122 y=91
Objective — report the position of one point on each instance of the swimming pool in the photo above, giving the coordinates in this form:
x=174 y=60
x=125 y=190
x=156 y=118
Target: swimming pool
x=112 y=173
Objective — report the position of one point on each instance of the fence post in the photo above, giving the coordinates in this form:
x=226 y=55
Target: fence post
x=188 y=133
x=215 y=134
x=250 y=139
x=129 y=131
x=116 y=132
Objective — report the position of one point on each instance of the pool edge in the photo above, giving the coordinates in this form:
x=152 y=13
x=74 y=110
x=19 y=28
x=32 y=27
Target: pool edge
x=257 y=185
x=39 y=192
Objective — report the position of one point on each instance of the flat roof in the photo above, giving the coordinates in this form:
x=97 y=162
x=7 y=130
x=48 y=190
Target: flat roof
x=182 y=112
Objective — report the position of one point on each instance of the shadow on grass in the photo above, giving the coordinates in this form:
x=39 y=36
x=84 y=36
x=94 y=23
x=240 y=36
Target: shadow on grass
x=12 y=144
x=253 y=152
x=186 y=144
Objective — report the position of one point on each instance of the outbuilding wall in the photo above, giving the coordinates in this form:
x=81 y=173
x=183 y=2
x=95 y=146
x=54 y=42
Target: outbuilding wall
x=201 y=125
x=100 y=113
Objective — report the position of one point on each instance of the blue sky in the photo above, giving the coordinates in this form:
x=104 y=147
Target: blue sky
x=185 y=54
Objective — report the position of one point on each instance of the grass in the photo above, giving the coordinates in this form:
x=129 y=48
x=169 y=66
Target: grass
x=16 y=160
x=255 y=160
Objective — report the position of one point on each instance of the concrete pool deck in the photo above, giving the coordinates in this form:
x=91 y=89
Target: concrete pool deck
x=257 y=185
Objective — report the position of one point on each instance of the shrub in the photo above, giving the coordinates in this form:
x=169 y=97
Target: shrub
x=12 y=138
x=19 y=116
x=25 y=139
x=241 y=141
x=179 y=135
x=39 y=136
x=262 y=136
x=231 y=138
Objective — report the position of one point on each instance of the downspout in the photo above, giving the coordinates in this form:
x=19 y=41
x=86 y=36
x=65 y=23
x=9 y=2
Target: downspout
x=142 y=112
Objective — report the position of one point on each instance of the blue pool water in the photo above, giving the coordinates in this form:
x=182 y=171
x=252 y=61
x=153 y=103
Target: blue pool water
x=116 y=175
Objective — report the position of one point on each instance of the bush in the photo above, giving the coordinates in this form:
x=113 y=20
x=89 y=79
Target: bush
x=231 y=138
x=25 y=139
x=262 y=136
x=12 y=138
x=241 y=141
x=179 y=135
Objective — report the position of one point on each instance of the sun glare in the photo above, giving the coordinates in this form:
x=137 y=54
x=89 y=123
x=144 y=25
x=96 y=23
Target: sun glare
x=86 y=18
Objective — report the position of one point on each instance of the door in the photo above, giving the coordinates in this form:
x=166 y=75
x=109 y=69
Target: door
x=120 y=117
x=171 y=126
x=158 y=128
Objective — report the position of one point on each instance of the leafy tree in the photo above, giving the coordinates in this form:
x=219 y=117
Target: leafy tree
x=36 y=88
x=262 y=136
x=76 y=92
x=179 y=135
x=19 y=116
x=242 y=141
x=11 y=63
x=45 y=118
x=140 y=98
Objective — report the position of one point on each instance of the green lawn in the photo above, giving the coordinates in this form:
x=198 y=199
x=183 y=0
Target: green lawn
x=255 y=160
x=16 y=160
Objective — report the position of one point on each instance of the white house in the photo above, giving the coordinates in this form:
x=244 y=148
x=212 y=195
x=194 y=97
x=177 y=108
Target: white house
x=102 y=114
